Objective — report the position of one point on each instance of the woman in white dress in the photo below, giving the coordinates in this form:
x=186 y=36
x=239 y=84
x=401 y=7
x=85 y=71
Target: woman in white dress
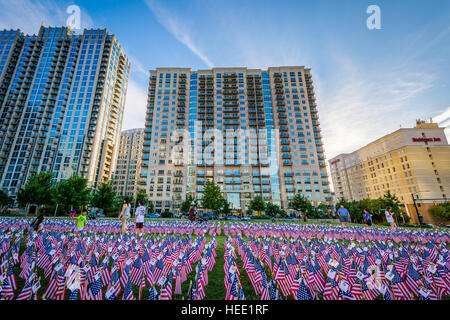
x=390 y=217
x=125 y=214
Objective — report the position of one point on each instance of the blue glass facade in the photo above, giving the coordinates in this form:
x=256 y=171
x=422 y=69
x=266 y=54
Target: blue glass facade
x=271 y=144
x=66 y=117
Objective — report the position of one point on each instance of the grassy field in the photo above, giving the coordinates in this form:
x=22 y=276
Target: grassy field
x=214 y=290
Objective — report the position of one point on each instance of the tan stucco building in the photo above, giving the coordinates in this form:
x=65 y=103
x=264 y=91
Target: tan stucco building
x=408 y=162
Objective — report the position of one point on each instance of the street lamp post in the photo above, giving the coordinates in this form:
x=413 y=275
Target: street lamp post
x=417 y=210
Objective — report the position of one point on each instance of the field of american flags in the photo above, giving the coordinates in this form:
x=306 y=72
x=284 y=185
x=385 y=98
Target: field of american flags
x=217 y=261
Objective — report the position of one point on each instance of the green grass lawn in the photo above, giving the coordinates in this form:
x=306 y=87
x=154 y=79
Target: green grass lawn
x=214 y=290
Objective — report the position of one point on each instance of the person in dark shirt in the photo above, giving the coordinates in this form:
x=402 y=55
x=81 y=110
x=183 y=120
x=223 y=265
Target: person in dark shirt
x=192 y=213
x=36 y=224
x=367 y=217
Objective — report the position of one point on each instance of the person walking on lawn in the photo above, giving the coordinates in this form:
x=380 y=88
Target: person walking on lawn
x=343 y=215
x=139 y=218
x=124 y=214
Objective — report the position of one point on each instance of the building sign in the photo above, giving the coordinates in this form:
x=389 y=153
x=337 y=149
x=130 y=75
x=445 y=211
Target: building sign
x=335 y=161
x=425 y=139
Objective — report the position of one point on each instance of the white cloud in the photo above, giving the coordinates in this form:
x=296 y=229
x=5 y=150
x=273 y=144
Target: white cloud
x=445 y=115
x=135 y=106
x=364 y=106
x=28 y=15
x=178 y=29
x=443 y=119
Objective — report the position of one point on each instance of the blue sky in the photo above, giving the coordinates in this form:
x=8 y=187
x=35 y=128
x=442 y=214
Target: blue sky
x=368 y=82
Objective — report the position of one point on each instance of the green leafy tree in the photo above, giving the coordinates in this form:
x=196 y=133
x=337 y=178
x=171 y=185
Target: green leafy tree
x=301 y=204
x=104 y=197
x=166 y=214
x=441 y=211
x=273 y=210
x=4 y=198
x=322 y=211
x=143 y=197
x=224 y=208
x=38 y=190
x=186 y=204
x=72 y=193
x=212 y=197
x=257 y=204
x=150 y=207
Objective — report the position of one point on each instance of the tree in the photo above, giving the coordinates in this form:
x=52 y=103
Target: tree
x=150 y=207
x=257 y=204
x=72 y=193
x=212 y=197
x=4 y=198
x=322 y=210
x=273 y=210
x=302 y=204
x=186 y=204
x=103 y=197
x=38 y=190
x=441 y=211
x=224 y=207
x=142 y=196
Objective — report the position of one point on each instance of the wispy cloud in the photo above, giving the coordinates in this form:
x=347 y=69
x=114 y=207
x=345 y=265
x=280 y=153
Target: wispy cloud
x=443 y=119
x=135 y=106
x=28 y=15
x=178 y=29
x=364 y=107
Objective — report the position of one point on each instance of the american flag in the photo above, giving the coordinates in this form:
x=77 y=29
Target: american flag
x=124 y=277
x=210 y=260
x=152 y=294
x=136 y=271
x=6 y=290
x=25 y=294
x=345 y=291
x=413 y=279
x=200 y=292
x=128 y=292
x=233 y=293
x=145 y=262
x=399 y=287
x=93 y=268
x=11 y=276
x=106 y=274
x=166 y=290
x=314 y=276
x=60 y=286
x=74 y=294
x=95 y=291
x=51 y=288
x=331 y=288
x=274 y=293
x=114 y=287
x=303 y=292
x=265 y=294
x=159 y=268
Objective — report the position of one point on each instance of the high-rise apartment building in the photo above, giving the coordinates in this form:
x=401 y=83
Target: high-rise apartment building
x=62 y=98
x=128 y=168
x=254 y=132
x=407 y=162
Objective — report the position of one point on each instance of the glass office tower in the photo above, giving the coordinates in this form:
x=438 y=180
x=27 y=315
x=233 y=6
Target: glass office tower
x=62 y=99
